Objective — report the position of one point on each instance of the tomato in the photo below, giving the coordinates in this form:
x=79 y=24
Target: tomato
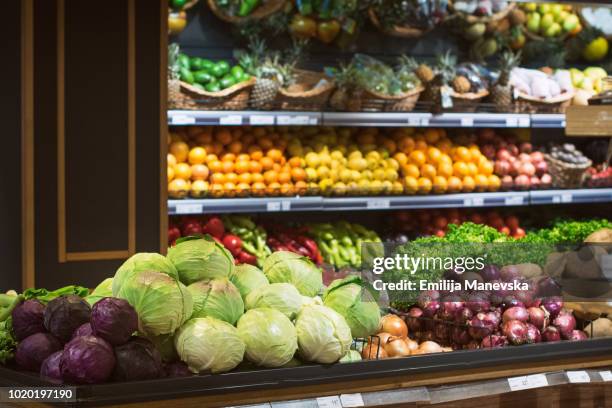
x=327 y=31
x=303 y=27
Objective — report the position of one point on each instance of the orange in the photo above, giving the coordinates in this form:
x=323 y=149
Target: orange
x=462 y=153
x=485 y=167
x=243 y=157
x=406 y=144
x=204 y=138
x=170 y=173
x=273 y=189
x=241 y=167
x=411 y=185
x=475 y=152
x=243 y=189
x=217 y=148
x=454 y=184
x=235 y=147
x=444 y=145
x=434 y=155
x=445 y=158
x=286 y=189
x=258 y=189
x=180 y=150
x=257 y=178
x=245 y=178
x=236 y=133
x=468 y=184
x=223 y=136
x=215 y=166
x=401 y=158
x=270 y=176
x=444 y=170
x=482 y=182
x=247 y=139
x=390 y=145
x=199 y=172
x=211 y=157
x=255 y=152
x=228 y=157
x=301 y=187
x=418 y=158
x=216 y=190
x=229 y=189
x=231 y=178
x=227 y=166
x=259 y=131
x=428 y=170
x=424 y=185
x=432 y=135
x=440 y=185
x=197 y=155
x=217 y=178
x=421 y=145
x=411 y=170
x=472 y=168
x=284 y=177
x=298 y=174
x=199 y=188
x=183 y=171
x=255 y=167
x=460 y=169
x=275 y=155
x=266 y=163
x=296 y=162
x=171 y=160
x=265 y=143
x=277 y=167
x=494 y=182
x=177 y=188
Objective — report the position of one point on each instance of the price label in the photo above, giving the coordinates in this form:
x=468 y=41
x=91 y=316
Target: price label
x=189 y=208
x=261 y=120
x=512 y=122
x=514 y=200
x=473 y=202
x=606 y=375
x=378 y=204
x=273 y=206
x=578 y=376
x=230 y=120
x=467 y=122
x=524 y=122
x=183 y=120
x=313 y=121
x=292 y=120
x=414 y=121
x=286 y=205
x=329 y=402
x=351 y=400
x=563 y=198
x=527 y=382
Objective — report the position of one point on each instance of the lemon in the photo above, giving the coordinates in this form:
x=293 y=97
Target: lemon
x=596 y=50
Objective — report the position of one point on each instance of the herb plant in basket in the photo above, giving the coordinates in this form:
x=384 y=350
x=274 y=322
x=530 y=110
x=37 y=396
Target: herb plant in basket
x=408 y=19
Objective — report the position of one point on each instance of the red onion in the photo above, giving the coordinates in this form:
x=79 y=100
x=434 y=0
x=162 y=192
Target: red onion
x=533 y=334
x=525 y=296
x=494 y=317
x=451 y=308
x=460 y=336
x=481 y=326
x=490 y=273
x=428 y=301
x=515 y=331
x=512 y=301
x=576 y=335
x=442 y=332
x=414 y=324
x=565 y=322
x=553 y=305
x=464 y=317
x=477 y=302
x=509 y=273
x=547 y=287
x=551 y=333
x=494 y=341
x=472 y=345
x=538 y=317
x=516 y=313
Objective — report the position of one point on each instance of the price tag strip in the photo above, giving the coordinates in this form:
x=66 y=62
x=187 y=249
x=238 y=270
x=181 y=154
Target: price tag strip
x=527 y=382
x=606 y=375
x=578 y=377
x=329 y=402
x=378 y=204
x=351 y=400
x=189 y=208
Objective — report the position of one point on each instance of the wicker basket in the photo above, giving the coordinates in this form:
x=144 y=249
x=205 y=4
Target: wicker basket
x=566 y=175
x=176 y=100
x=308 y=93
x=266 y=9
x=370 y=101
x=233 y=98
x=536 y=37
x=531 y=104
x=467 y=102
x=470 y=19
x=396 y=31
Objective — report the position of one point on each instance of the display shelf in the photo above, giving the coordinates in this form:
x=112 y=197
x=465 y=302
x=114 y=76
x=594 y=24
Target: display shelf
x=471 y=200
x=389 y=119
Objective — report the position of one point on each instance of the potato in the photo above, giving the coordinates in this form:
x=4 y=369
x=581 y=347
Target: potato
x=555 y=264
x=601 y=327
x=530 y=270
x=603 y=235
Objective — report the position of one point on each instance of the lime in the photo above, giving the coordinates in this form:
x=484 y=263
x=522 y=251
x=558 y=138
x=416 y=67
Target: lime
x=212 y=87
x=186 y=75
x=195 y=63
x=199 y=86
x=183 y=61
x=202 y=76
x=227 y=81
x=224 y=66
x=237 y=72
x=207 y=64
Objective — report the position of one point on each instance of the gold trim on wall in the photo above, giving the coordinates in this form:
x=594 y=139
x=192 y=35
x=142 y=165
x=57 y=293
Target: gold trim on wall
x=63 y=255
x=163 y=126
x=27 y=145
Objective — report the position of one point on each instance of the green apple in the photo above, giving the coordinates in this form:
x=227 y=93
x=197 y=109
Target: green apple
x=570 y=23
x=595 y=72
x=531 y=6
x=556 y=9
x=587 y=84
x=577 y=77
x=533 y=22
x=544 y=8
x=560 y=18
x=553 y=30
x=547 y=21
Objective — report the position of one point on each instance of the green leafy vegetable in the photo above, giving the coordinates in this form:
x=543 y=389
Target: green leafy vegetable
x=46 y=296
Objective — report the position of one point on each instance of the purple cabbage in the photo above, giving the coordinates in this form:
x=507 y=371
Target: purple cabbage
x=87 y=360
x=65 y=314
x=83 y=330
x=50 y=368
x=28 y=319
x=137 y=359
x=114 y=320
x=33 y=350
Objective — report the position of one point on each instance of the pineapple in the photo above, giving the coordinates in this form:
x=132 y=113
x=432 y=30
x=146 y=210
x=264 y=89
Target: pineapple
x=444 y=72
x=422 y=71
x=461 y=84
x=501 y=92
x=345 y=81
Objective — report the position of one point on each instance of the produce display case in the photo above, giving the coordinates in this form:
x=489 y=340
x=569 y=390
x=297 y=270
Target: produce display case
x=286 y=213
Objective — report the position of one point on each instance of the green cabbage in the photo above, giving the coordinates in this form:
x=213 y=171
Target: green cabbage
x=350 y=357
x=349 y=298
x=208 y=344
x=283 y=297
x=144 y=261
x=163 y=304
x=248 y=278
x=288 y=267
x=198 y=258
x=217 y=298
x=104 y=289
x=269 y=336
x=323 y=335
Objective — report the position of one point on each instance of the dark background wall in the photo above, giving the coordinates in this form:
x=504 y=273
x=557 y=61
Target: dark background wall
x=10 y=164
